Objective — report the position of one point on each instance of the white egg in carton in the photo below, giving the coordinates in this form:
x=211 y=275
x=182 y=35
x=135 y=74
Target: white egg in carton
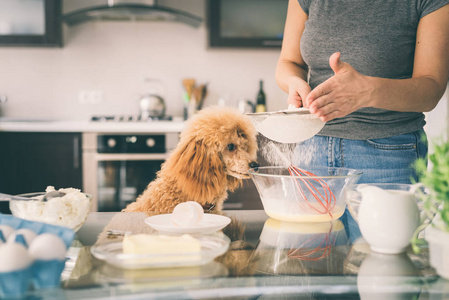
x=29 y=257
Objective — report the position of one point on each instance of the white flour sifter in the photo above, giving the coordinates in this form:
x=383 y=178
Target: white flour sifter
x=292 y=125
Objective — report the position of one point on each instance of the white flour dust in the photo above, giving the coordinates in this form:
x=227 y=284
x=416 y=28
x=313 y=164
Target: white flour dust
x=280 y=154
x=283 y=138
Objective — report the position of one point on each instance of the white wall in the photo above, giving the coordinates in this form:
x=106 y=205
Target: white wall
x=437 y=127
x=114 y=56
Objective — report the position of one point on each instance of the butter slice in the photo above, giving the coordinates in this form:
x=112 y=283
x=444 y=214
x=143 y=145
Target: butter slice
x=165 y=248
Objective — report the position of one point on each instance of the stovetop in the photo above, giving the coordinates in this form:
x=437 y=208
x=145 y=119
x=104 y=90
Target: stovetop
x=128 y=118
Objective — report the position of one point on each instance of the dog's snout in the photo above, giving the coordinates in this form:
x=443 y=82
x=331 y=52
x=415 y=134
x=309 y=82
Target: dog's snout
x=254 y=165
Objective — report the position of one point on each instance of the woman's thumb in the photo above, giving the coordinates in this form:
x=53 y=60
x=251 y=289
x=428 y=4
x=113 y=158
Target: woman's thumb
x=336 y=64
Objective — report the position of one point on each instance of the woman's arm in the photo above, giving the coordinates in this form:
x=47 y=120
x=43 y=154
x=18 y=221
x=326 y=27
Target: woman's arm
x=348 y=90
x=291 y=70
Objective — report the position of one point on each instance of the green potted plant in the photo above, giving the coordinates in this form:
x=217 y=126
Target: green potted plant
x=436 y=178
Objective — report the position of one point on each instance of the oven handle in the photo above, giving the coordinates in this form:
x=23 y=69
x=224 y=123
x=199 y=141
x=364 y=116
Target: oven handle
x=76 y=152
x=130 y=156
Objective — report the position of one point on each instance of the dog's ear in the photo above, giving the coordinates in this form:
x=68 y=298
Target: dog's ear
x=198 y=169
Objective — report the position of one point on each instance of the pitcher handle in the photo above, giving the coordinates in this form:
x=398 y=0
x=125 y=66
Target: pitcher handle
x=428 y=212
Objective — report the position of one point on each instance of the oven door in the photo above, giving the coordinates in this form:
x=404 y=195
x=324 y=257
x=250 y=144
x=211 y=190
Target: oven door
x=117 y=168
x=115 y=180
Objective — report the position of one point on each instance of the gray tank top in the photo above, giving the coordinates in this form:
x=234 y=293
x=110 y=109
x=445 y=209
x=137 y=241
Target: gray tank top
x=377 y=38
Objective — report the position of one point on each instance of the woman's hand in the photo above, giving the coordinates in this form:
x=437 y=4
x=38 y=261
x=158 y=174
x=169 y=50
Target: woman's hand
x=298 y=90
x=340 y=95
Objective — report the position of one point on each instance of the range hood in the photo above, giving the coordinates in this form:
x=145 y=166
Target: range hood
x=127 y=10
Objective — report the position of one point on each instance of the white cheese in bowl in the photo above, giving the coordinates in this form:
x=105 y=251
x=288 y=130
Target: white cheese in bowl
x=70 y=210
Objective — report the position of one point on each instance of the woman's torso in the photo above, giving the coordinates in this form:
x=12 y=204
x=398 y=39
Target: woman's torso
x=377 y=38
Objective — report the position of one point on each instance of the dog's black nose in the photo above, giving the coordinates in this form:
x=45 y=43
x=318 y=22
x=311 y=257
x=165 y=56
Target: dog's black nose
x=254 y=165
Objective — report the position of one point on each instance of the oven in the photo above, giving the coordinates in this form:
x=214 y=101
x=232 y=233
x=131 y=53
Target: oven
x=118 y=167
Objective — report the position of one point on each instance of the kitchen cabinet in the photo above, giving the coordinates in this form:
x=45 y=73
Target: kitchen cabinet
x=30 y=161
x=246 y=23
x=35 y=23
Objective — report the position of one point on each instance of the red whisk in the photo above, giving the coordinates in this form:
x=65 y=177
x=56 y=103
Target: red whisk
x=306 y=252
x=317 y=187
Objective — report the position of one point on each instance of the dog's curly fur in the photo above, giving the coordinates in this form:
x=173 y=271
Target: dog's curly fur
x=213 y=156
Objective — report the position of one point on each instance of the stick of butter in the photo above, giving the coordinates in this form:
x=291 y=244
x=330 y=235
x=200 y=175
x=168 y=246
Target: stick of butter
x=165 y=248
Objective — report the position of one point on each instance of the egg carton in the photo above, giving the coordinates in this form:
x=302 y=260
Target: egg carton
x=37 y=271
x=65 y=233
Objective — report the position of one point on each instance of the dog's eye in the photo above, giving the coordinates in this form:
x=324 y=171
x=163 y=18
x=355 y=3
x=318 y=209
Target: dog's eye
x=231 y=147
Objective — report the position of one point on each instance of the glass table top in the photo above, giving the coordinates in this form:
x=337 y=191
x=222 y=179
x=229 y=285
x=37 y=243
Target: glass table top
x=266 y=259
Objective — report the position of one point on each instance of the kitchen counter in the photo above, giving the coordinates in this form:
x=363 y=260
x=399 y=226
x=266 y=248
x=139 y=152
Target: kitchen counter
x=18 y=125
x=267 y=259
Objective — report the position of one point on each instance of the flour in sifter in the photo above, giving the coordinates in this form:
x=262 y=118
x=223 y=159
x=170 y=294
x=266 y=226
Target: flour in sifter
x=286 y=127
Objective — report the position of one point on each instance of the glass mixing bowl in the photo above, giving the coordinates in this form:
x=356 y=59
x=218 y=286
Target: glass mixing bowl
x=303 y=198
x=301 y=248
x=68 y=211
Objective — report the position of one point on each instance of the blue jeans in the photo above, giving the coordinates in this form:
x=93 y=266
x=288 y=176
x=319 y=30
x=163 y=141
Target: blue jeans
x=381 y=160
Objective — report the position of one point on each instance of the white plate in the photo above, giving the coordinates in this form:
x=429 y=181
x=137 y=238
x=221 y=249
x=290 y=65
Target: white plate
x=175 y=277
x=212 y=246
x=209 y=224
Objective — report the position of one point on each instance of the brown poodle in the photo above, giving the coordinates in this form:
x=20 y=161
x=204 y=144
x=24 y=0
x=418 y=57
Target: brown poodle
x=215 y=152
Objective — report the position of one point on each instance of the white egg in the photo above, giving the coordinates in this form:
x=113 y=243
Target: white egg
x=14 y=257
x=47 y=246
x=187 y=214
x=6 y=231
x=27 y=234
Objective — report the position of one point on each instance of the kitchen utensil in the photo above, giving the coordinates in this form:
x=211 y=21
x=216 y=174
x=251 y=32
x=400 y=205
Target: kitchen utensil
x=52 y=194
x=201 y=94
x=46 y=197
x=189 y=84
x=283 y=194
x=190 y=102
x=287 y=126
x=6 y=197
x=316 y=187
x=302 y=248
x=152 y=104
x=389 y=276
x=387 y=213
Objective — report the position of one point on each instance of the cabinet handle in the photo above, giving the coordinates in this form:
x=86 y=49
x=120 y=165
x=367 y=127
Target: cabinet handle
x=271 y=43
x=76 y=152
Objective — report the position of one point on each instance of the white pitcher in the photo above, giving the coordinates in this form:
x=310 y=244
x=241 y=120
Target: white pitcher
x=388 y=216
